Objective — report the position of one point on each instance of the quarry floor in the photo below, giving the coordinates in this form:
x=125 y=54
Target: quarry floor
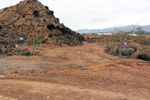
x=73 y=73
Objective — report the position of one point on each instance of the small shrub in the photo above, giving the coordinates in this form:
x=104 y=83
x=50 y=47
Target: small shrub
x=44 y=20
x=37 y=40
x=57 y=27
x=26 y=54
x=36 y=13
x=51 y=12
x=34 y=0
x=50 y=35
x=23 y=16
x=50 y=26
x=0 y=27
x=47 y=7
x=28 y=2
x=57 y=19
x=144 y=57
x=48 y=13
x=44 y=41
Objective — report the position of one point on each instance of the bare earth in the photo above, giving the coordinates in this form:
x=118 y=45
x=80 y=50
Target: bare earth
x=62 y=74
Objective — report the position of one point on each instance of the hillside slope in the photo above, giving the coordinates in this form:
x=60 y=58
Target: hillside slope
x=30 y=18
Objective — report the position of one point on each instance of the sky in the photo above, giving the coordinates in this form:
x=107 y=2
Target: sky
x=96 y=14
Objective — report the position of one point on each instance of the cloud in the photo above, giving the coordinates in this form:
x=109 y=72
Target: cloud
x=92 y=14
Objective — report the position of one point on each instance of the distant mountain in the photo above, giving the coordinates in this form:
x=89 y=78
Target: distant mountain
x=113 y=29
x=146 y=28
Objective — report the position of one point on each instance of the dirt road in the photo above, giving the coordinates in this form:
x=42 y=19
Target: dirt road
x=49 y=91
x=62 y=74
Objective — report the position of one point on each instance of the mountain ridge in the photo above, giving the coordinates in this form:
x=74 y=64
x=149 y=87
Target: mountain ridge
x=113 y=29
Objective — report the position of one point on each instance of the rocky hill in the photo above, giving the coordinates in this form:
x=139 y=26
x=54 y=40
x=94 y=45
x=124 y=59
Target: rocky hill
x=30 y=18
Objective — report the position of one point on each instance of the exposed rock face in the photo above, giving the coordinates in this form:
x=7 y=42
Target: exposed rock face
x=30 y=18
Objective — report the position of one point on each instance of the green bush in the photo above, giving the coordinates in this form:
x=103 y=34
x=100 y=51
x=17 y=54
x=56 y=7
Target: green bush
x=47 y=7
x=26 y=53
x=36 y=13
x=51 y=12
x=144 y=57
x=44 y=41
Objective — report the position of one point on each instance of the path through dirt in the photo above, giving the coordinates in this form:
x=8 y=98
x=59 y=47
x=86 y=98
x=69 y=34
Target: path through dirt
x=62 y=74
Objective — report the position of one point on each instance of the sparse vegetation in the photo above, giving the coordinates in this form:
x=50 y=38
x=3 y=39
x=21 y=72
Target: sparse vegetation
x=57 y=19
x=123 y=44
x=36 y=13
x=51 y=12
x=37 y=40
x=26 y=53
x=50 y=35
x=1 y=27
x=47 y=7
x=23 y=16
x=50 y=27
x=58 y=71
x=44 y=41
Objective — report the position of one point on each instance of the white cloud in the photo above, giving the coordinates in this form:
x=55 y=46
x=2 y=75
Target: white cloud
x=92 y=14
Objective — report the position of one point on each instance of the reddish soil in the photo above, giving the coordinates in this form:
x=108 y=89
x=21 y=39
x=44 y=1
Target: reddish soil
x=62 y=74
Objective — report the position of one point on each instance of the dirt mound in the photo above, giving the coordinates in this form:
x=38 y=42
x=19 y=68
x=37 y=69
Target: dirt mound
x=30 y=18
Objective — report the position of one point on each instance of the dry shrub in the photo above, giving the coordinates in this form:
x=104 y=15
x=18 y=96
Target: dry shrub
x=112 y=49
x=128 y=50
x=135 y=46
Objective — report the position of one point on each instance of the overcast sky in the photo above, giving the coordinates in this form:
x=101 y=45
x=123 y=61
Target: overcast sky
x=96 y=14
